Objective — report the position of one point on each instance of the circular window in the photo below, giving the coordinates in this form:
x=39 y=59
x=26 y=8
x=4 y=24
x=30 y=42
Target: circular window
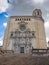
x=22 y=27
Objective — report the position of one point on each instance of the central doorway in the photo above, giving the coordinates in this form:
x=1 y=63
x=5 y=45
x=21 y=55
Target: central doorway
x=21 y=49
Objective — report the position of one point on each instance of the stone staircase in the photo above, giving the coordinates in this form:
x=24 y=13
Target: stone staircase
x=37 y=57
x=23 y=59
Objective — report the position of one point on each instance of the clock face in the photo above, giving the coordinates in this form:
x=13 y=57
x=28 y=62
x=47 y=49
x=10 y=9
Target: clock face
x=22 y=27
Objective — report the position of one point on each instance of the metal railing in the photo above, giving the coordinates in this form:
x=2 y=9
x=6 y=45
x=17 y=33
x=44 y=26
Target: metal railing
x=40 y=52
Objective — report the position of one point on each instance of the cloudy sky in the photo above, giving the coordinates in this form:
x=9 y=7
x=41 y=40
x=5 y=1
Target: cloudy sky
x=22 y=7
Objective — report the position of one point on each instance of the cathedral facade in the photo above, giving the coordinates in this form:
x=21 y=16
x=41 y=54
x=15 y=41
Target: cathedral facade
x=24 y=33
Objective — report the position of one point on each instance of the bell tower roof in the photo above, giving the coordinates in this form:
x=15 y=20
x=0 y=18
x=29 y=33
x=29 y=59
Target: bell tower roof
x=37 y=13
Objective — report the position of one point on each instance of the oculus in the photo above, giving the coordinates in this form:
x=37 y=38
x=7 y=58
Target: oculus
x=22 y=27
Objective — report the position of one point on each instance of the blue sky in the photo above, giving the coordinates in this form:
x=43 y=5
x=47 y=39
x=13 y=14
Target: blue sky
x=22 y=7
x=3 y=20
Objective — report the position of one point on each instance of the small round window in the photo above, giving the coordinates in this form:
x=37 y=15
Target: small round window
x=22 y=27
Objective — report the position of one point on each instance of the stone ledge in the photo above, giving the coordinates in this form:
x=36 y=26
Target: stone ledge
x=34 y=52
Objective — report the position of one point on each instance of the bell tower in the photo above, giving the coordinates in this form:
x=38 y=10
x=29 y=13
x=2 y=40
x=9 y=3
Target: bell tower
x=37 y=13
x=39 y=28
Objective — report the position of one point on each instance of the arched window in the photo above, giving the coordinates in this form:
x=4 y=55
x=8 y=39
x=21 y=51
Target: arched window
x=38 y=12
x=11 y=34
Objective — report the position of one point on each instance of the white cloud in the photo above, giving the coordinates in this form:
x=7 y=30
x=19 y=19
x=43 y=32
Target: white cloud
x=47 y=39
x=1 y=41
x=38 y=1
x=3 y=5
x=6 y=15
x=5 y=24
x=46 y=24
x=47 y=15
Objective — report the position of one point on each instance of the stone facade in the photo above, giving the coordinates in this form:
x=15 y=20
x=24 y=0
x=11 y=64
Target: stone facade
x=24 y=33
x=0 y=47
